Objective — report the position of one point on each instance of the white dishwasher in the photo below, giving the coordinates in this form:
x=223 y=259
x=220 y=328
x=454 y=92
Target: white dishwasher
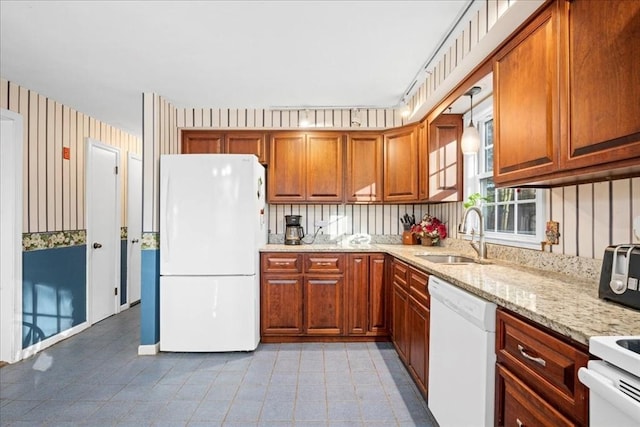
x=462 y=357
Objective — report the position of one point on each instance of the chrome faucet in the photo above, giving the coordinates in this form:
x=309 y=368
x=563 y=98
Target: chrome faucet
x=481 y=246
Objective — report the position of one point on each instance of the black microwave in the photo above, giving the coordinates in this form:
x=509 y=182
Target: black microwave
x=620 y=275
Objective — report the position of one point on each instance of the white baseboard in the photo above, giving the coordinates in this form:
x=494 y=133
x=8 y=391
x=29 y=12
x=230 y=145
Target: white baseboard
x=39 y=346
x=149 y=350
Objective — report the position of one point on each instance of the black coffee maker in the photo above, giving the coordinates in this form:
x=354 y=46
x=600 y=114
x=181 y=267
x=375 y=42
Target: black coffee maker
x=293 y=232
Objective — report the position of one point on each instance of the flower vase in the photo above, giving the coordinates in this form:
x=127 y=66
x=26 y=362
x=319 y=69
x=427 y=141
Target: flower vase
x=427 y=241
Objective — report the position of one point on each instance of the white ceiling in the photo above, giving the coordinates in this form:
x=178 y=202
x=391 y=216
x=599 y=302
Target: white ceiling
x=99 y=56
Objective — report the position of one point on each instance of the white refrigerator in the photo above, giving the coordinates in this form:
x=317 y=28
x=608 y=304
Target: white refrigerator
x=212 y=224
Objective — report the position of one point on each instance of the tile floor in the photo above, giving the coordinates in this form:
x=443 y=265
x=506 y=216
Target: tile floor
x=96 y=378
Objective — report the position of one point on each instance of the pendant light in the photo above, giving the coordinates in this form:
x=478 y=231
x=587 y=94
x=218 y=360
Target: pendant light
x=470 y=142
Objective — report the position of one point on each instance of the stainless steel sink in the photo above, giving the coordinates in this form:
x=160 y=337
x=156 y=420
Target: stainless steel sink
x=446 y=259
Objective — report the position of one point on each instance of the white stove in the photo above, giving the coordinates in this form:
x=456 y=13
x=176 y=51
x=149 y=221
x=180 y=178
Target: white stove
x=614 y=381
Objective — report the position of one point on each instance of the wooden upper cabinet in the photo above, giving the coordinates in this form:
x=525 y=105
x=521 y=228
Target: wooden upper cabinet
x=214 y=142
x=202 y=142
x=445 y=158
x=287 y=168
x=325 y=165
x=526 y=102
x=306 y=167
x=401 y=165
x=246 y=143
x=423 y=160
x=364 y=167
x=566 y=91
x=602 y=83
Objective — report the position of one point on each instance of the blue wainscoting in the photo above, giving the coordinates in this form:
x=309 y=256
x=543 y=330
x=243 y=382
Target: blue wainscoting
x=54 y=291
x=123 y=272
x=150 y=297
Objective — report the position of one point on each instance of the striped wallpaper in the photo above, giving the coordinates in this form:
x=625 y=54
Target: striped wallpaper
x=482 y=28
x=54 y=188
x=162 y=123
x=462 y=50
x=592 y=216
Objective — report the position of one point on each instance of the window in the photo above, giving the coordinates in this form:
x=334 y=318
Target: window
x=511 y=215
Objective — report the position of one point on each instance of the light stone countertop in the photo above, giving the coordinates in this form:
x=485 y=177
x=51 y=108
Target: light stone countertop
x=563 y=303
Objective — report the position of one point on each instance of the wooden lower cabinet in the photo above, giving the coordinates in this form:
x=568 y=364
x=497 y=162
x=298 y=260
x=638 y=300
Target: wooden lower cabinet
x=399 y=308
x=282 y=295
x=537 y=376
x=323 y=296
x=410 y=321
x=418 y=338
x=366 y=295
x=521 y=406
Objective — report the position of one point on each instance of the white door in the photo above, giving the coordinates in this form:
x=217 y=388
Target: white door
x=134 y=226
x=10 y=236
x=103 y=230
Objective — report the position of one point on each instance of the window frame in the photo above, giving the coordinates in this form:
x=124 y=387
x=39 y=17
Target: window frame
x=483 y=112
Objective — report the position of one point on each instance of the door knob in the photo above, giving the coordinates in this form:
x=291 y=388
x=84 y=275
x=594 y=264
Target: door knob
x=97 y=245
x=134 y=241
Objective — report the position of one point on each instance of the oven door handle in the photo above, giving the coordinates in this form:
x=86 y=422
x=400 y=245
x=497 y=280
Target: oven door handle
x=605 y=388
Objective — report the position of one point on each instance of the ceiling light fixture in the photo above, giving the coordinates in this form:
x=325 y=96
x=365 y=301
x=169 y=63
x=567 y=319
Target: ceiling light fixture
x=470 y=142
x=355 y=118
x=305 y=120
x=405 y=111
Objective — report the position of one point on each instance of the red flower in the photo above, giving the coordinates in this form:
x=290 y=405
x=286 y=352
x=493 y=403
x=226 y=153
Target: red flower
x=430 y=226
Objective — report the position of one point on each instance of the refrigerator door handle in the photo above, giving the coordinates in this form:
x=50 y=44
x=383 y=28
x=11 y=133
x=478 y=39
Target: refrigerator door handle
x=166 y=220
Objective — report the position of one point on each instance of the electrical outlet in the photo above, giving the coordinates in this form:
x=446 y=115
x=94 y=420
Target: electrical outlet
x=323 y=224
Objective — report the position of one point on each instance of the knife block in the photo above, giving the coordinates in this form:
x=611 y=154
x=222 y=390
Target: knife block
x=409 y=238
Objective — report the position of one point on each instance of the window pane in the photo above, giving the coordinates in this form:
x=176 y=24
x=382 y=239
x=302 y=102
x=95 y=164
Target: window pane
x=527 y=218
x=488 y=133
x=488 y=189
x=505 y=195
x=526 y=193
x=488 y=145
x=488 y=160
x=489 y=213
x=505 y=218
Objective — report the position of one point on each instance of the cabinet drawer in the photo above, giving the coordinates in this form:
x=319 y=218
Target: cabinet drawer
x=522 y=407
x=545 y=363
x=324 y=263
x=418 y=282
x=400 y=274
x=281 y=263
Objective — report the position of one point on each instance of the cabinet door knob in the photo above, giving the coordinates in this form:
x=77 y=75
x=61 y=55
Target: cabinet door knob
x=97 y=245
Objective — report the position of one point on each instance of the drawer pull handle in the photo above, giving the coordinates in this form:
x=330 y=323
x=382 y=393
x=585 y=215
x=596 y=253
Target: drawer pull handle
x=282 y=282
x=524 y=354
x=281 y=263
x=324 y=282
x=520 y=423
x=324 y=263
